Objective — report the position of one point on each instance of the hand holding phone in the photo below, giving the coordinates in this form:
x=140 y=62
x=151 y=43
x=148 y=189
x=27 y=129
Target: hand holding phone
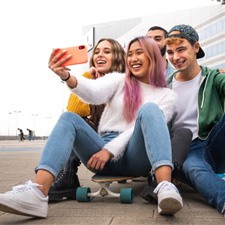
x=79 y=55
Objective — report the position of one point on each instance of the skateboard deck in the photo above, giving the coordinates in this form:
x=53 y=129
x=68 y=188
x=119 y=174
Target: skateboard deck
x=103 y=179
x=84 y=194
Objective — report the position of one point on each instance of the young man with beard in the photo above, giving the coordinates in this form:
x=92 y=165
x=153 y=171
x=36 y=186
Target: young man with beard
x=159 y=35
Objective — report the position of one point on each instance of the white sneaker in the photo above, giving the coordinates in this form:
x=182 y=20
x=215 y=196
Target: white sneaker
x=25 y=200
x=169 y=199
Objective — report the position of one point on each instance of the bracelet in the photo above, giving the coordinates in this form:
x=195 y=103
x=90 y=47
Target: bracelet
x=66 y=78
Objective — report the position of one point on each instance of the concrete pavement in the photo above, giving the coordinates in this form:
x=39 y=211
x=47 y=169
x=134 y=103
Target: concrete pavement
x=17 y=162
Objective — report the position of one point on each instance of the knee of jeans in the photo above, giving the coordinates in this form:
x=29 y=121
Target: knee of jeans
x=185 y=166
x=193 y=167
x=69 y=116
x=148 y=108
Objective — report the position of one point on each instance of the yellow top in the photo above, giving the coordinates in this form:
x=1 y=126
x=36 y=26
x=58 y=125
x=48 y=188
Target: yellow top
x=76 y=105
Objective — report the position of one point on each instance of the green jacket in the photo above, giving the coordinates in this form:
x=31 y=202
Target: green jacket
x=211 y=98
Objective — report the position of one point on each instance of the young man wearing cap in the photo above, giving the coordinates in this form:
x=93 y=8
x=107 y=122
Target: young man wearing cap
x=200 y=108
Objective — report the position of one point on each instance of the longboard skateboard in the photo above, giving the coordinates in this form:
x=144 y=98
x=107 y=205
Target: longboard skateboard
x=84 y=194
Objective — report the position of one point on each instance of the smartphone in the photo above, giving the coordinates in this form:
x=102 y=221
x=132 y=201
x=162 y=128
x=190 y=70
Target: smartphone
x=79 y=55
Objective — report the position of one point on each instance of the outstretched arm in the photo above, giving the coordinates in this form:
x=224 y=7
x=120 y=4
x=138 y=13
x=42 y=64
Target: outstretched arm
x=55 y=64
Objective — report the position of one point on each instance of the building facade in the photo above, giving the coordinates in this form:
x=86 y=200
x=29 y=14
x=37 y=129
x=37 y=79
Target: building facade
x=208 y=21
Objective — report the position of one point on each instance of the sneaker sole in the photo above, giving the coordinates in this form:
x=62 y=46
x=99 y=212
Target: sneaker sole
x=169 y=206
x=8 y=209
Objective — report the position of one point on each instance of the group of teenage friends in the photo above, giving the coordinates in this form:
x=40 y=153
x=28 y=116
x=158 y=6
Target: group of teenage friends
x=135 y=113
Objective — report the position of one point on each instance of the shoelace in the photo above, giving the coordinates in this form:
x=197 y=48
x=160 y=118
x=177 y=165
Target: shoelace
x=164 y=184
x=60 y=175
x=23 y=187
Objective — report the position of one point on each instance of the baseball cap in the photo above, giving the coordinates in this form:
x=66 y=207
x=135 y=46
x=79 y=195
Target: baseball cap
x=188 y=33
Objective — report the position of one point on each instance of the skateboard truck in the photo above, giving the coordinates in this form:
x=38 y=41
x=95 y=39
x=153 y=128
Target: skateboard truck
x=84 y=194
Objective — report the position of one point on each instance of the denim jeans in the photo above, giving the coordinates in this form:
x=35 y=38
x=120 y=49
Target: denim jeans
x=149 y=146
x=206 y=158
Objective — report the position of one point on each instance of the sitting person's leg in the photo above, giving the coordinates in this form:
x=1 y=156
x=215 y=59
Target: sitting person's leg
x=149 y=149
x=202 y=176
x=54 y=158
x=181 y=142
x=66 y=182
x=206 y=158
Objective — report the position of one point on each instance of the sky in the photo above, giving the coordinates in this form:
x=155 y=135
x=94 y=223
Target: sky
x=31 y=95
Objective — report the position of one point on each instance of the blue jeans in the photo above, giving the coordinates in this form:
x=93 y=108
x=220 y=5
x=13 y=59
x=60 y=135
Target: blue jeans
x=149 y=146
x=206 y=158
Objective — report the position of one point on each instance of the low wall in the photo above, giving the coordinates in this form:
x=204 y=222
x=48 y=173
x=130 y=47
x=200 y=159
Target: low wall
x=26 y=136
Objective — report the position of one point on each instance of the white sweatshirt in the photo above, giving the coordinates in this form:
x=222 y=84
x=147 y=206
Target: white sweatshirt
x=109 y=89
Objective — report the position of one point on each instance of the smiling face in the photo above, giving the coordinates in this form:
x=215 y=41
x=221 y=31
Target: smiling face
x=137 y=62
x=182 y=54
x=102 y=57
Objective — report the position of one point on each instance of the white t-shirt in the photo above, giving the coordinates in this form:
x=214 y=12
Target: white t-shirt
x=187 y=104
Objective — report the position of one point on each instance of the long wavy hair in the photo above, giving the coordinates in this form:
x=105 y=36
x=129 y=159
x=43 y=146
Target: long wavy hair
x=118 y=65
x=118 y=55
x=155 y=74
